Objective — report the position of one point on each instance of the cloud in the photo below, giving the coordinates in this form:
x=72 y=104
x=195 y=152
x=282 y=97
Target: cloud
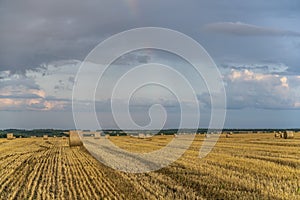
x=23 y=99
x=15 y=80
x=263 y=68
x=21 y=92
x=56 y=78
x=243 y=29
x=49 y=88
x=263 y=86
x=25 y=103
x=247 y=89
x=34 y=33
x=43 y=44
x=20 y=96
x=134 y=58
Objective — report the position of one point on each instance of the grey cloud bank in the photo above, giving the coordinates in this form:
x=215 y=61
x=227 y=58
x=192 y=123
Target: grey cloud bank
x=255 y=44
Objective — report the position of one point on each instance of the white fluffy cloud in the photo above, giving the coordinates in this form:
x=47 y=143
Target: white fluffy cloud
x=248 y=89
x=45 y=89
x=50 y=88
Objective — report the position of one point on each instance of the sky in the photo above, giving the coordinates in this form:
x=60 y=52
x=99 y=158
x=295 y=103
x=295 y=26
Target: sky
x=255 y=45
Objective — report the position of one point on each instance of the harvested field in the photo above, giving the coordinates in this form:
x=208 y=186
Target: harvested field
x=246 y=166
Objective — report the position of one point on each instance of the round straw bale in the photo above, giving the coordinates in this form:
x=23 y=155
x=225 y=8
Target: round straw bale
x=10 y=136
x=288 y=135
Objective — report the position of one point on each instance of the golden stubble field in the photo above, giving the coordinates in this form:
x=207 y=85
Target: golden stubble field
x=245 y=166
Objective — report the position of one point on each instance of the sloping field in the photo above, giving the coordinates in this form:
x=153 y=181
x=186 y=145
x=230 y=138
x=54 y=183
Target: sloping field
x=245 y=166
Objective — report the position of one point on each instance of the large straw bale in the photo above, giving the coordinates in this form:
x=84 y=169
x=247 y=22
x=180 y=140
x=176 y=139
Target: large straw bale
x=288 y=135
x=74 y=139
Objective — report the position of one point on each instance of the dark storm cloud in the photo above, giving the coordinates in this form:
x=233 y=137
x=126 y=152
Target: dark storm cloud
x=35 y=32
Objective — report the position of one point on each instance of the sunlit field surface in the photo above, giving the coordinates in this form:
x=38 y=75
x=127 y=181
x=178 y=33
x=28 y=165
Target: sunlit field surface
x=245 y=166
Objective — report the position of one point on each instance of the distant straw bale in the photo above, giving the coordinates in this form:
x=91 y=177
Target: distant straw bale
x=277 y=135
x=97 y=135
x=281 y=134
x=10 y=136
x=45 y=137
